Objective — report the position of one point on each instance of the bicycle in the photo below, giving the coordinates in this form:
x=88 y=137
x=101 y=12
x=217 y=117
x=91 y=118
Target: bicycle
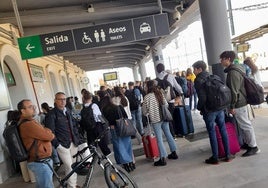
x=115 y=176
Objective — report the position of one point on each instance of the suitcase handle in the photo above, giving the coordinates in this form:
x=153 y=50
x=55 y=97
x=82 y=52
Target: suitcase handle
x=148 y=123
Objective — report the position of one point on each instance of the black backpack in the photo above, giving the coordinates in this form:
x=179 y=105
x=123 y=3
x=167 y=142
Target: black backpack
x=87 y=118
x=14 y=143
x=166 y=88
x=254 y=92
x=218 y=94
x=134 y=102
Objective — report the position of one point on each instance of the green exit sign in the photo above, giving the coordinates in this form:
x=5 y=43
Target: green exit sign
x=30 y=47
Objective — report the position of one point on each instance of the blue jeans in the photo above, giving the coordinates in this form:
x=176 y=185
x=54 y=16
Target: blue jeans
x=43 y=173
x=210 y=119
x=55 y=156
x=137 y=120
x=158 y=133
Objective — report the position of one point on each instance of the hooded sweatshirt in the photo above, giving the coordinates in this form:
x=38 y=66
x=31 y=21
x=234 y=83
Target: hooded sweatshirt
x=235 y=82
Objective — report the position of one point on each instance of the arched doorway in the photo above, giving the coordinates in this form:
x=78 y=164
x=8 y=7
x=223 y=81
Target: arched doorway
x=12 y=67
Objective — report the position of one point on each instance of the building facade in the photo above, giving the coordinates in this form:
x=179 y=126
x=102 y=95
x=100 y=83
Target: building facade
x=35 y=79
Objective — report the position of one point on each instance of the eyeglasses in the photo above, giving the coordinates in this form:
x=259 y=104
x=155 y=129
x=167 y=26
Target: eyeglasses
x=63 y=99
x=31 y=106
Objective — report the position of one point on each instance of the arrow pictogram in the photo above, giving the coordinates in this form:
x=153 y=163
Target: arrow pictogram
x=29 y=48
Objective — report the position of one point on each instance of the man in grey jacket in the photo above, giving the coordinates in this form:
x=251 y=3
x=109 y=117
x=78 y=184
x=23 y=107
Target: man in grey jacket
x=160 y=68
x=238 y=107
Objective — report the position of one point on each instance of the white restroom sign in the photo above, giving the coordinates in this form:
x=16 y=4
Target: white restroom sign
x=105 y=34
x=94 y=36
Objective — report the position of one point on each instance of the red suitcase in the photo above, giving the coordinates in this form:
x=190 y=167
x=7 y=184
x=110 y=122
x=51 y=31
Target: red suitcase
x=232 y=137
x=150 y=143
x=150 y=146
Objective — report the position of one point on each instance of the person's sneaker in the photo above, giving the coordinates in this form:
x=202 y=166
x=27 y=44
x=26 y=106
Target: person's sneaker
x=173 y=155
x=251 y=151
x=244 y=146
x=160 y=162
x=212 y=160
x=229 y=158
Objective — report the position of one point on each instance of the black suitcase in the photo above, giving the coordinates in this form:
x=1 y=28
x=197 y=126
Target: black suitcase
x=183 y=122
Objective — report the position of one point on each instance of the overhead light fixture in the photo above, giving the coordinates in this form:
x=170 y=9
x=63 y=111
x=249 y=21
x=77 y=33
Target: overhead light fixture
x=90 y=8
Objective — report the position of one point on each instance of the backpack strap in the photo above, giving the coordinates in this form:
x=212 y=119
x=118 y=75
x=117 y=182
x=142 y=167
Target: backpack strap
x=34 y=142
x=165 y=77
x=238 y=70
x=243 y=74
x=158 y=79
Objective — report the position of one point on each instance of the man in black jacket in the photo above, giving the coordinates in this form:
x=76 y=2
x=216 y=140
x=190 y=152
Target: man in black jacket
x=62 y=124
x=210 y=116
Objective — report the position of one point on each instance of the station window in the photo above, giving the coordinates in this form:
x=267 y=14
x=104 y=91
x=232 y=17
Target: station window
x=10 y=80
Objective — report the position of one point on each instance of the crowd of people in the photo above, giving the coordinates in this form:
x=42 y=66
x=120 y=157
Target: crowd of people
x=66 y=125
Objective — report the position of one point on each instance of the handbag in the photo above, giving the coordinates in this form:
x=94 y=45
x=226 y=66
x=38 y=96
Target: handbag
x=167 y=116
x=124 y=126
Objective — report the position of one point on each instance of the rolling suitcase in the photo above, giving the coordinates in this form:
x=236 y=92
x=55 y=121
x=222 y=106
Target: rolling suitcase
x=150 y=143
x=183 y=121
x=232 y=138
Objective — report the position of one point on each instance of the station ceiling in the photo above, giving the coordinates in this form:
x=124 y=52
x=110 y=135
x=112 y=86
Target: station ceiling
x=41 y=17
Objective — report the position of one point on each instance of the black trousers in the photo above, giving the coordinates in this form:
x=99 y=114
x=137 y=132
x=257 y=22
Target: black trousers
x=93 y=134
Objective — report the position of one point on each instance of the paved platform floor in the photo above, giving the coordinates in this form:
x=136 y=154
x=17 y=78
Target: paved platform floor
x=190 y=171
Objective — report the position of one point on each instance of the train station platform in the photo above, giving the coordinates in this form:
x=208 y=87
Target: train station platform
x=190 y=171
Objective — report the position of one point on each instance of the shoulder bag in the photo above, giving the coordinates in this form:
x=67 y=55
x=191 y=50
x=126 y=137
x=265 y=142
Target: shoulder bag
x=167 y=116
x=124 y=126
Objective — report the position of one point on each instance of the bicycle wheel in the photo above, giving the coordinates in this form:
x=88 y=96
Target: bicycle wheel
x=113 y=179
